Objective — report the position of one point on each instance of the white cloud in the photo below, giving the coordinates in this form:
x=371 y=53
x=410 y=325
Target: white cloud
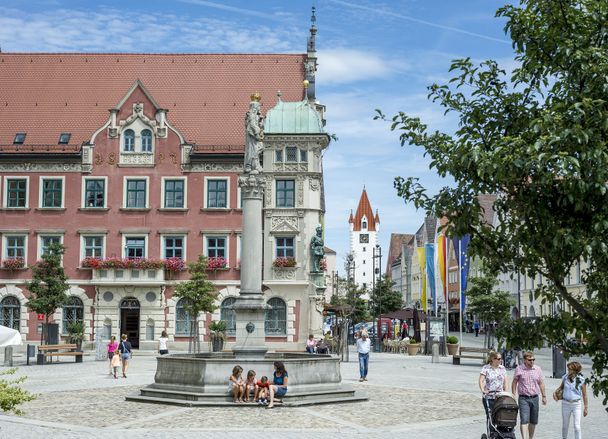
x=343 y=66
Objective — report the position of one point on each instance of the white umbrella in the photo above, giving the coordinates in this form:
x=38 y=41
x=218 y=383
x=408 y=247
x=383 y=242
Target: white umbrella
x=9 y=337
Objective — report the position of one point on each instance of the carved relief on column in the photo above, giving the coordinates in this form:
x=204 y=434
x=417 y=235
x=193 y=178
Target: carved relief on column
x=252 y=186
x=314 y=184
x=300 y=189
x=268 y=190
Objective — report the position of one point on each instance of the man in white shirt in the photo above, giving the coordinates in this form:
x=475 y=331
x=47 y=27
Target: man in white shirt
x=363 y=346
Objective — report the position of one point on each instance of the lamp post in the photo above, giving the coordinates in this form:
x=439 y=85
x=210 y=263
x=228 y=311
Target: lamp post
x=377 y=298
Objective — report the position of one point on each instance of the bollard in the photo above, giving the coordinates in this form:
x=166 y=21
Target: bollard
x=8 y=356
x=435 y=351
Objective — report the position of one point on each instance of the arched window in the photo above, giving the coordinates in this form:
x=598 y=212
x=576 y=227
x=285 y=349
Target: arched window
x=129 y=140
x=275 y=322
x=146 y=140
x=364 y=225
x=182 y=319
x=73 y=311
x=150 y=330
x=10 y=308
x=228 y=315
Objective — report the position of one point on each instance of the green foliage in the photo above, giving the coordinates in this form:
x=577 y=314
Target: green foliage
x=75 y=331
x=537 y=139
x=49 y=283
x=384 y=298
x=452 y=339
x=218 y=326
x=199 y=293
x=11 y=395
x=485 y=302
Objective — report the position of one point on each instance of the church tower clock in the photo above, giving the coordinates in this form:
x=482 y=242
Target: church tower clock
x=364 y=227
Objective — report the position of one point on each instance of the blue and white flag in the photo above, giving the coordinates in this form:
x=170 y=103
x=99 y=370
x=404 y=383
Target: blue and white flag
x=430 y=272
x=461 y=247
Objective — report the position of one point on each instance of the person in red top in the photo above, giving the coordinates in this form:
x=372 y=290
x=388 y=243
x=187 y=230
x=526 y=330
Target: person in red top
x=261 y=395
x=529 y=381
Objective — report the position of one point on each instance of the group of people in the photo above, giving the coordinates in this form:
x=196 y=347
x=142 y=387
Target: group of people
x=528 y=383
x=119 y=355
x=320 y=346
x=260 y=391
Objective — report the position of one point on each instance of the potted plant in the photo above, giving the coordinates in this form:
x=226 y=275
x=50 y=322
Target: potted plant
x=413 y=347
x=76 y=334
x=452 y=342
x=217 y=335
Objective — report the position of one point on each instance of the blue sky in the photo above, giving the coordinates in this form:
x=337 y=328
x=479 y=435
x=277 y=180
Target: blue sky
x=372 y=54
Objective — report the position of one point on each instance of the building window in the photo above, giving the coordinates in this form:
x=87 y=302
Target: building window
x=174 y=247
x=174 y=194
x=216 y=247
x=10 y=310
x=286 y=193
x=93 y=246
x=73 y=312
x=364 y=225
x=217 y=193
x=136 y=194
x=228 y=315
x=129 y=140
x=278 y=156
x=150 y=330
x=146 y=140
x=135 y=247
x=182 y=319
x=303 y=156
x=52 y=192
x=19 y=139
x=363 y=261
x=15 y=247
x=46 y=241
x=291 y=154
x=95 y=192
x=16 y=192
x=64 y=138
x=285 y=248
x=275 y=322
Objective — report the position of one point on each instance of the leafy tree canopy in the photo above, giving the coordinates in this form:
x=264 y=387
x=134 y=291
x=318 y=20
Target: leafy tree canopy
x=199 y=293
x=384 y=298
x=49 y=283
x=11 y=394
x=537 y=138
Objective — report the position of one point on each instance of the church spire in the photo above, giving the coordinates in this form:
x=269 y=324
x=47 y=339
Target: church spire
x=311 y=57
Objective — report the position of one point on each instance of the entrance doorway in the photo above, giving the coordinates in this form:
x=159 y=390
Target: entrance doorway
x=129 y=320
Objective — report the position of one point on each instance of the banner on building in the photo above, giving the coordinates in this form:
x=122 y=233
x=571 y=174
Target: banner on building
x=430 y=272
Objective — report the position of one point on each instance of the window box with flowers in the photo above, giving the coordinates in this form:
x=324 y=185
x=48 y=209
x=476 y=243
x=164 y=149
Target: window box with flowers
x=284 y=268
x=125 y=269
x=217 y=263
x=282 y=262
x=12 y=264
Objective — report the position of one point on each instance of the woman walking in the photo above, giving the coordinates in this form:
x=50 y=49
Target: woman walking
x=574 y=390
x=112 y=346
x=125 y=354
x=492 y=380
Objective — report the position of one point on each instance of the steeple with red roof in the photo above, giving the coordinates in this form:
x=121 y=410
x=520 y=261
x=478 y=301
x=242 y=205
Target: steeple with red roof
x=364 y=227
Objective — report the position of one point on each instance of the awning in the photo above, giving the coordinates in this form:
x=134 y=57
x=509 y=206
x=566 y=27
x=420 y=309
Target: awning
x=9 y=337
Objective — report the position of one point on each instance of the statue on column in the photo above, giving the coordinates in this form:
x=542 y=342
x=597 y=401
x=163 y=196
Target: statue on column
x=317 y=249
x=254 y=135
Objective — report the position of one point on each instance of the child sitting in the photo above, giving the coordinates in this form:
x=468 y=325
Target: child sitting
x=236 y=385
x=116 y=363
x=251 y=389
x=262 y=390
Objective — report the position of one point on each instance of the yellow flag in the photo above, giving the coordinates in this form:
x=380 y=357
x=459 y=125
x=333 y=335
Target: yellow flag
x=422 y=263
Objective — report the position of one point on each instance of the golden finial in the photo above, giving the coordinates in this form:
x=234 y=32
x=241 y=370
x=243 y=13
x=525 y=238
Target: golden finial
x=306 y=83
x=256 y=97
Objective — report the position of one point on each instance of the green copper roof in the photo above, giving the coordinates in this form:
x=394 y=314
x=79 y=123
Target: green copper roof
x=293 y=118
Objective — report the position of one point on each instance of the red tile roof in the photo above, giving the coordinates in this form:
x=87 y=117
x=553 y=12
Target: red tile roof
x=364 y=209
x=207 y=95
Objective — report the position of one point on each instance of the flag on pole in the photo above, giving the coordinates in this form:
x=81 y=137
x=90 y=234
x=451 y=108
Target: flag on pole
x=422 y=263
x=461 y=246
x=441 y=257
x=430 y=272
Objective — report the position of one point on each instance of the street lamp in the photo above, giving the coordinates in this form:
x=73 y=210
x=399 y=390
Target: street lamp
x=377 y=254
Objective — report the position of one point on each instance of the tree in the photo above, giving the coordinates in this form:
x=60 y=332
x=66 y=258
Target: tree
x=11 y=395
x=48 y=285
x=385 y=299
x=488 y=304
x=537 y=138
x=199 y=295
x=352 y=298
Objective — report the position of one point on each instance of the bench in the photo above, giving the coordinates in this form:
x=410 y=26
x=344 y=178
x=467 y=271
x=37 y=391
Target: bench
x=60 y=350
x=467 y=352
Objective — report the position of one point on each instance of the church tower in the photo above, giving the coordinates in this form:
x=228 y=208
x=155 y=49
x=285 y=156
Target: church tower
x=364 y=227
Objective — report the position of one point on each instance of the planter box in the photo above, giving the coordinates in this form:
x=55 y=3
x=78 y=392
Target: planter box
x=412 y=349
x=452 y=349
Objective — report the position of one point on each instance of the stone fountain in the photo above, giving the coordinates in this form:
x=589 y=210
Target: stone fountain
x=202 y=379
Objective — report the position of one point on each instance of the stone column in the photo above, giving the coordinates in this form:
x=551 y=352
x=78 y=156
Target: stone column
x=249 y=306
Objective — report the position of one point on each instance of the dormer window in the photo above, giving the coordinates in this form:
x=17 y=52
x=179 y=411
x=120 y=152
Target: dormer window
x=291 y=154
x=19 y=139
x=64 y=138
x=129 y=140
x=146 y=141
x=364 y=224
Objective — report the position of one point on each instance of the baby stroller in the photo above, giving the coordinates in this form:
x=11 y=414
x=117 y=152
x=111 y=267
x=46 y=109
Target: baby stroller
x=502 y=419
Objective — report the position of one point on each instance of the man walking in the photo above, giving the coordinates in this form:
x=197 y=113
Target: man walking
x=363 y=346
x=529 y=382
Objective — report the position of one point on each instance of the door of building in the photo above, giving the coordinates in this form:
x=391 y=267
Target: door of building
x=129 y=320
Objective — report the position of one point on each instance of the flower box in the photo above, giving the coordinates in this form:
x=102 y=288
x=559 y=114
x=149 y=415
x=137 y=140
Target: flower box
x=13 y=264
x=218 y=263
x=170 y=264
x=284 y=262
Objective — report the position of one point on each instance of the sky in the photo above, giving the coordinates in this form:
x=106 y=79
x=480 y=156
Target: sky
x=372 y=54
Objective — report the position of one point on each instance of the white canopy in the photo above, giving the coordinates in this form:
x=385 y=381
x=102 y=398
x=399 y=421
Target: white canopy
x=9 y=337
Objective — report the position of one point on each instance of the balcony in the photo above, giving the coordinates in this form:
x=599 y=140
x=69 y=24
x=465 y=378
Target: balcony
x=131 y=276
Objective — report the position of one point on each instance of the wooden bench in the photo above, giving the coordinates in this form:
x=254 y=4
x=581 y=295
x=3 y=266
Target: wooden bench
x=60 y=350
x=467 y=352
